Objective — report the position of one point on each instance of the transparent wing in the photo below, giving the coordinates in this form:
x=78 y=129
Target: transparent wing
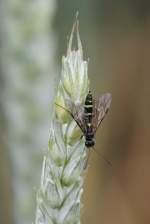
x=101 y=108
x=76 y=111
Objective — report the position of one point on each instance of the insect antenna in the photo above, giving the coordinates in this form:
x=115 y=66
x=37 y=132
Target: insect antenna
x=102 y=157
x=64 y=109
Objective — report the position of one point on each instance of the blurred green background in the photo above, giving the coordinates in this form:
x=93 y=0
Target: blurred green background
x=116 y=39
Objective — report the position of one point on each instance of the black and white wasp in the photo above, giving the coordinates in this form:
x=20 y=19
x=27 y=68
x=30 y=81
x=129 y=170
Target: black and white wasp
x=89 y=116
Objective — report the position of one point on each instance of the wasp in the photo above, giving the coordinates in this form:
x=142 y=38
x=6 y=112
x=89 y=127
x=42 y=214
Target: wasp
x=89 y=116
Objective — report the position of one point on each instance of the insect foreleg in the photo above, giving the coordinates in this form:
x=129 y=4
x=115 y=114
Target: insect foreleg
x=65 y=109
x=71 y=116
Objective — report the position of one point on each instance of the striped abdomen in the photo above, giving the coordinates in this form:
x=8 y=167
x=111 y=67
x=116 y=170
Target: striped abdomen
x=88 y=114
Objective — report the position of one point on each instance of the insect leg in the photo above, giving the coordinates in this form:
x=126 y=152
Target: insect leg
x=104 y=159
x=87 y=159
x=64 y=109
x=81 y=137
x=71 y=116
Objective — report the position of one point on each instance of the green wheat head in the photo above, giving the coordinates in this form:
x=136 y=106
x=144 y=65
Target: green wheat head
x=59 y=196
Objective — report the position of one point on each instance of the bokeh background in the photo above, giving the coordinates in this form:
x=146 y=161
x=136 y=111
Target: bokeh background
x=116 y=39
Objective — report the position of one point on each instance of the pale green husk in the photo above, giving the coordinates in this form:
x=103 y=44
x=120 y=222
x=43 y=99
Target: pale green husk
x=59 y=196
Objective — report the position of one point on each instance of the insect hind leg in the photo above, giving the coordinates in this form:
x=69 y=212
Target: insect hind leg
x=87 y=158
x=108 y=162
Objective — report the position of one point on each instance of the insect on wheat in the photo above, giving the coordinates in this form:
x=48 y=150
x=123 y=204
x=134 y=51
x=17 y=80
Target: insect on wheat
x=89 y=116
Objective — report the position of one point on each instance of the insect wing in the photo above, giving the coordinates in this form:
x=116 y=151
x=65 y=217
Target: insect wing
x=100 y=109
x=76 y=111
